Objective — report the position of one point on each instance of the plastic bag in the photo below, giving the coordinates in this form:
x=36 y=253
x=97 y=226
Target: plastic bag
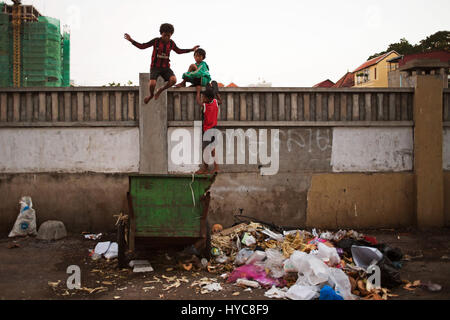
x=314 y=270
x=256 y=257
x=365 y=256
x=275 y=263
x=327 y=293
x=328 y=254
x=26 y=220
x=390 y=277
x=298 y=292
x=340 y=282
x=243 y=256
x=248 y=239
x=253 y=272
x=276 y=293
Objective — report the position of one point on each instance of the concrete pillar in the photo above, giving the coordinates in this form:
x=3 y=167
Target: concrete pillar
x=152 y=129
x=428 y=151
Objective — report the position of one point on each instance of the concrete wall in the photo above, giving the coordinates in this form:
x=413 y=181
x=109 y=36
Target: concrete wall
x=305 y=191
x=84 y=202
x=372 y=149
x=446 y=149
x=345 y=157
x=361 y=200
x=447 y=197
x=300 y=149
x=27 y=150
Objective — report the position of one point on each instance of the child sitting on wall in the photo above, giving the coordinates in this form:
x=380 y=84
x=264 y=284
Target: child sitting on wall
x=198 y=73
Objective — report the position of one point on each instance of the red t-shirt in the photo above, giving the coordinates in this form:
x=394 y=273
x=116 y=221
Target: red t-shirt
x=161 y=51
x=211 y=112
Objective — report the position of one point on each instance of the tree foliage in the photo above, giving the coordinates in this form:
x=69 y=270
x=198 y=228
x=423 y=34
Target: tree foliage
x=438 y=41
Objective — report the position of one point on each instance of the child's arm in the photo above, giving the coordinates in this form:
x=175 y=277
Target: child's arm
x=219 y=99
x=181 y=51
x=139 y=45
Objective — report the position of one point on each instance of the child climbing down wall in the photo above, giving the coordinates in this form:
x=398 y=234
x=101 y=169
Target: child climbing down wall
x=210 y=108
x=160 y=65
x=198 y=73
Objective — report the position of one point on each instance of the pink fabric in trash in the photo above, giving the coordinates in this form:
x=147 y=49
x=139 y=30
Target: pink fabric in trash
x=257 y=273
x=316 y=240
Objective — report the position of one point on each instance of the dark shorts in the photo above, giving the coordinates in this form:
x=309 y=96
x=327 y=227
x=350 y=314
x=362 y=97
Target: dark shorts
x=165 y=73
x=207 y=143
x=195 y=81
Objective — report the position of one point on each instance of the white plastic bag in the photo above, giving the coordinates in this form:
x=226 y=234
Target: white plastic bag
x=298 y=292
x=248 y=239
x=275 y=263
x=312 y=268
x=243 y=256
x=256 y=257
x=327 y=254
x=276 y=293
x=26 y=220
x=365 y=256
x=339 y=280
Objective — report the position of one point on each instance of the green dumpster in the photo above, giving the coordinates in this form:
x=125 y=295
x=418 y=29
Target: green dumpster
x=166 y=210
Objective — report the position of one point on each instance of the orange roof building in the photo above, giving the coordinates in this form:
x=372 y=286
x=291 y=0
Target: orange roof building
x=325 y=84
x=347 y=81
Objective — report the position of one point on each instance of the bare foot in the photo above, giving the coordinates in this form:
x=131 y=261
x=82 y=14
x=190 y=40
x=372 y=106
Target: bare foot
x=216 y=169
x=148 y=98
x=158 y=93
x=203 y=170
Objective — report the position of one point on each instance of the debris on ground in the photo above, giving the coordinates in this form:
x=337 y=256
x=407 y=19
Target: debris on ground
x=140 y=266
x=107 y=249
x=13 y=245
x=93 y=236
x=298 y=264
x=247 y=283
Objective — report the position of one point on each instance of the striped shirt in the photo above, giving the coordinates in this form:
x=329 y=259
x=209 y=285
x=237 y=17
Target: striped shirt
x=161 y=51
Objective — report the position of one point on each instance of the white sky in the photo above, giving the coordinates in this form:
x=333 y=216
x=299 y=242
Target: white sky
x=287 y=42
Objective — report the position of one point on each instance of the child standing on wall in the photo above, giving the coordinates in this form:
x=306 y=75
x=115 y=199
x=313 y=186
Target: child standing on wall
x=160 y=65
x=198 y=73
x=210 y=108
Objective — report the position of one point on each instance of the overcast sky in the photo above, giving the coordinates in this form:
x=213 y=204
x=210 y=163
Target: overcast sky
x=286 y=42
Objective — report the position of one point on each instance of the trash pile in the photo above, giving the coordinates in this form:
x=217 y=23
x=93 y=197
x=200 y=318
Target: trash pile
x=302 y=265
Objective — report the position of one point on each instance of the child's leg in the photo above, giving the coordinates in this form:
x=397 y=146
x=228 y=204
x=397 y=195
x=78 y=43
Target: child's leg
x=169 y=84
x=199 y=89
x=192 y=68
x=216 y=166
x=152 y=85
x=204 y=166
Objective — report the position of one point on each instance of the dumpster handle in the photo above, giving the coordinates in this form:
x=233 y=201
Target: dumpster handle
x=192 y=190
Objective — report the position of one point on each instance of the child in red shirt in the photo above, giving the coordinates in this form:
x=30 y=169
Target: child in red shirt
x=210 y=108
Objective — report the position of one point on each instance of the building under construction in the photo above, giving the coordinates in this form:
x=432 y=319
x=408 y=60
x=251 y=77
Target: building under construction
x=33 y=52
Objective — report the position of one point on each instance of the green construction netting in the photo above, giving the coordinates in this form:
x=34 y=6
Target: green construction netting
x=45 y=54
x=41 y=53
x=5 y=51
x=66 y=60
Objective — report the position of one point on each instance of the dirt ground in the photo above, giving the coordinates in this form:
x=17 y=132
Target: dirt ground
x=26 y=270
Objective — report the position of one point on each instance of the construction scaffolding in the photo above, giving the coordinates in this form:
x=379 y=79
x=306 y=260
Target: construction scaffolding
x=33 y=53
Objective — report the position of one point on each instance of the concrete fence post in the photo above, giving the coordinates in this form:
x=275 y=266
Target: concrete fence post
x=428 y=141
x=152 y=129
